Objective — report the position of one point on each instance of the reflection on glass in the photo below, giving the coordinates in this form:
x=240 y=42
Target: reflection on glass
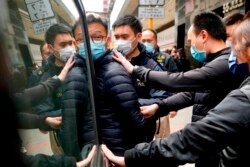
x=59 y=119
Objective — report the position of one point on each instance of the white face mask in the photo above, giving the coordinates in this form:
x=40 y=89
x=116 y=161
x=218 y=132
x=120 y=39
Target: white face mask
x=228 y=43
x=65 y=53
x=124 y=46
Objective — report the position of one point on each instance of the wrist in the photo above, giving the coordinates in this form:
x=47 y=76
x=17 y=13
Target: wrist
x=58 y=78
x=134 y=68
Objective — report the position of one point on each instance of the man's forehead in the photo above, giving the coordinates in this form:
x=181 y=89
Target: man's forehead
x=147 y=34
x=124 y=28
x=96 y=28
x=66 y=37
x=95 y=31
x=63 y=35
x=78 y=35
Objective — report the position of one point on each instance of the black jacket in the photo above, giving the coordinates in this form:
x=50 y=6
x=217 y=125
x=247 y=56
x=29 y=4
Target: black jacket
x=206 y=86
x=77 y=129
x=228 y=124
x=147 y=95
x=30 y=97
x=23 y=101
x=120 y=123
x=51 y=105
x=165 y=60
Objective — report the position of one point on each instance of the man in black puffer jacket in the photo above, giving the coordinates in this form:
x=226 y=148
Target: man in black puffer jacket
x=120 y=124
x=77 y=130
x=128 y=32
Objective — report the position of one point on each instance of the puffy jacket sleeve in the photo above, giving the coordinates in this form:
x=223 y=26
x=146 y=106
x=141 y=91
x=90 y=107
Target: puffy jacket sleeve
x=77 y=127
x=204 y=138
x=119 y=87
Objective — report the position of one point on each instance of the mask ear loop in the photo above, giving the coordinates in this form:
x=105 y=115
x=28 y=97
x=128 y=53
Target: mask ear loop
x=203 y=49
x=133 y=48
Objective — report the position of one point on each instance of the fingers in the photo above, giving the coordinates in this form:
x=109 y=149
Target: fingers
x=58 y=118
x=70 y=62
x=91 y=153
x=117 y=55
x=147 y=111
x=172 y=114
x=107 y=152
x=66 y=68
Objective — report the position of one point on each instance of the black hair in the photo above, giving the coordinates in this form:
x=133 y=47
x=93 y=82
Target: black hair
x=212 y=23
x=54 y=30
x=129 y=20
x=41 y=46
x=233 y=18
x=152 y=30
x=92 y=18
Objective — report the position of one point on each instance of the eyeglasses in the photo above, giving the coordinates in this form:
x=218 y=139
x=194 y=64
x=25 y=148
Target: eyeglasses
x=98 y=39
x=94 y=39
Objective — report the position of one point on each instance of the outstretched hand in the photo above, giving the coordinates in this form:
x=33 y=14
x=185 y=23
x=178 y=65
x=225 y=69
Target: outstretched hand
x=88 y=159
x=149 y=111
x=54 y=122
x=66 y=68
x=115 y=160
x=121 y=59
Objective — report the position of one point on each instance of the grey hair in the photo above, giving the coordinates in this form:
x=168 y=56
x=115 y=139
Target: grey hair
x=241 y=36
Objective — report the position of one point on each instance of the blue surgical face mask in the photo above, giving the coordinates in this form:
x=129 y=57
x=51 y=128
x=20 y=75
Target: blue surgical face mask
x=198 y=55
x=237 y=69
x=81 y=50
x=97 y=50
x=149 y=47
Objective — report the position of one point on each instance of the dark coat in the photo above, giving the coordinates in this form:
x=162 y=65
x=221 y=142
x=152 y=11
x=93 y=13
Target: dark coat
x=120 y=123
x=30 y=97
x=206 y=86
x=228 y=124
x=77 y=129
x=51 y=105
x=147 y=95
x=165 y=60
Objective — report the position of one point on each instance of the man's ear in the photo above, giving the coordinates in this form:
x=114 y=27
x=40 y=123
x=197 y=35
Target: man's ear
x=51 y=50
x=108 y=39
x=139 y=36
x=204 y=35
x=75 y=45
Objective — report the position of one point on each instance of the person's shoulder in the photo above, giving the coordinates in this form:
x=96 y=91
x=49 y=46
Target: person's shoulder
x=39 y=71
x=163 y=56
x=225 y=52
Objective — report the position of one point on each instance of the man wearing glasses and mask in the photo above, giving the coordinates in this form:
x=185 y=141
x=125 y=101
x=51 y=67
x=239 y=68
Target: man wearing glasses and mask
x=117 y=107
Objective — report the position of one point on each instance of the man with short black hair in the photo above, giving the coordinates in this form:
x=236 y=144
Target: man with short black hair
x=127 y=31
